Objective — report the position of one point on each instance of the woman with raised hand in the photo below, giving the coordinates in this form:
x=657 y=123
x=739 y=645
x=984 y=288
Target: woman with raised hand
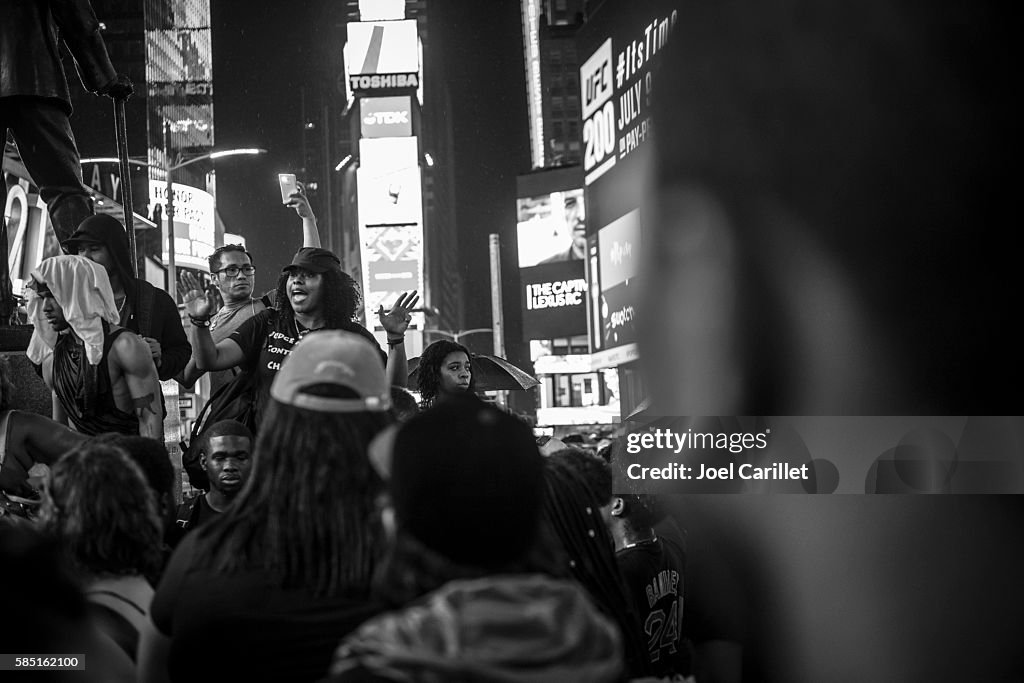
x=313 y=293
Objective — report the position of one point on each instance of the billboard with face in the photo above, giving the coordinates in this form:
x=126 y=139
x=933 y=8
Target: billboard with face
x=552 y=245
x=551 y=228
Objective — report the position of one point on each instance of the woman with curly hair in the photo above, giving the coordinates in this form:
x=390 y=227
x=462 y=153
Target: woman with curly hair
x=104 y=515
x=445 y=368
x=313 y=293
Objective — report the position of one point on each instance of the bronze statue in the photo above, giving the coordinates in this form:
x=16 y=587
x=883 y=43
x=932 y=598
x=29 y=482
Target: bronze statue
x=35 y=105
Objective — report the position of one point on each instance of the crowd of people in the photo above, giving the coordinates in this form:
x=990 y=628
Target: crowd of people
x=342 y=528
x=353 y=537
x=346 y=531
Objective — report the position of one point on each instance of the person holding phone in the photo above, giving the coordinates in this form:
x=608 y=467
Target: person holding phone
x=233 y=275
x=313 y=293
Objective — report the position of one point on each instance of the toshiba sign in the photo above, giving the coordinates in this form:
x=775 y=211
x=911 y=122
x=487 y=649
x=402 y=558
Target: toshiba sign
x=385 y=117
x=368 y=85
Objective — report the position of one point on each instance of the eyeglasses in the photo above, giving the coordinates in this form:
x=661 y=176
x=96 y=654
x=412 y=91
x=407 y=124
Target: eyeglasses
x=233 y=271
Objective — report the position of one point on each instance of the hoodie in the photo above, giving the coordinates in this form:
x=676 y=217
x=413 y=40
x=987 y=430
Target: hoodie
x=153 y=313
x=522 y=628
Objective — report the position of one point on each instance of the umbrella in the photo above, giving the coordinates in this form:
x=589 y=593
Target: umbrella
x=490 y=373
x=640 y=413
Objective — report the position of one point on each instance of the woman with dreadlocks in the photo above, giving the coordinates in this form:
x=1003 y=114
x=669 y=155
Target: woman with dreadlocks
x=444 y=369
x=313 y=293
x=279 y=577
x=572 y=513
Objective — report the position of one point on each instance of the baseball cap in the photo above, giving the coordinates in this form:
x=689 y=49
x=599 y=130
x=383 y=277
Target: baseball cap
x=98 y=229
x=335 y=358
x=315 y=260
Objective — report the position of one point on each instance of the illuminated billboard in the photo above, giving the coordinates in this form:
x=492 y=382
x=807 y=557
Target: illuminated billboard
x=390 y=214
x=388 y=182
x=616 y=289
x=392 y=263
x=179 y=74
x=616 y=82
x=554 y=300
x=385 y=117
x=193 y=223
x=381 y=9
x=621 y=51
x=551 y=228
x=392 y=197
x=382 y=56
x=531 y=28
x=386 y=154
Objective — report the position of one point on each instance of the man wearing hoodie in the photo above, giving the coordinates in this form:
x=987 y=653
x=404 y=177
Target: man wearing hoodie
x=469 y=564
x=141 y=307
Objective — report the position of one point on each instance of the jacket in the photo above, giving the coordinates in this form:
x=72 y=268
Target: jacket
x=155 y=315
x=499 y=628
x=30 y=35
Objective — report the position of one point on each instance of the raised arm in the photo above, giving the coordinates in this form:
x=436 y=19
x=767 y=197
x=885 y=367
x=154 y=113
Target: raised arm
x=133 y=356
x=298 y=201
x=206 y=354
x=395 y=322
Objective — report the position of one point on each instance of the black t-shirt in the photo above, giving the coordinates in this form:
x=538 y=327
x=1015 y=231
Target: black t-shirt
x=192 y=514
x=266 y=340
x=653 y=573
x=245 y=627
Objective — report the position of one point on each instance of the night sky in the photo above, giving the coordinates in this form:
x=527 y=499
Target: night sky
x=264 y=54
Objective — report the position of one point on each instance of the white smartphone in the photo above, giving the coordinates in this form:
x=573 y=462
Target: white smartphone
x=288 y=185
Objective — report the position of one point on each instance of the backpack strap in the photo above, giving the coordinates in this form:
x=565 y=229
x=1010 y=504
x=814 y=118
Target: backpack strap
x=144 y=314
x=187 y=513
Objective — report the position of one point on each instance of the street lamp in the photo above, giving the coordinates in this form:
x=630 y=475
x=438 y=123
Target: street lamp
x=172 y=282
x=456 y=336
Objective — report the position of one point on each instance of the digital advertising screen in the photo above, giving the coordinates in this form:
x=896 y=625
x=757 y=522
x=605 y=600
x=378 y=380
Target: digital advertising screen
x=554 y=299
x=382 y=56
x=193 y=223
x=551 y=228
x=620 y=52
x=385 y=117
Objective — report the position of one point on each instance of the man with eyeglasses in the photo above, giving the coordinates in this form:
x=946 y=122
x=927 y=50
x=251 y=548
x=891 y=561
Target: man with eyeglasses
x=233 y=275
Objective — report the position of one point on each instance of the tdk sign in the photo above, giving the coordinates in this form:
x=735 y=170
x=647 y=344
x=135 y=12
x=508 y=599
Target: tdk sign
x=381 y=117
x=385 y=117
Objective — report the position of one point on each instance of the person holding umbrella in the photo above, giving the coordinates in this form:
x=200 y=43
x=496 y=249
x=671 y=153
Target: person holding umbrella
x=444 y=368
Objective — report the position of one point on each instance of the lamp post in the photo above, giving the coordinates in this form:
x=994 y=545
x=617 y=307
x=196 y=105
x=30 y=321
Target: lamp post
x=172 y=284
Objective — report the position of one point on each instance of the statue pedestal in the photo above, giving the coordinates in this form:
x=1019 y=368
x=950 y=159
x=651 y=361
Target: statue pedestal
x=30 y=393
